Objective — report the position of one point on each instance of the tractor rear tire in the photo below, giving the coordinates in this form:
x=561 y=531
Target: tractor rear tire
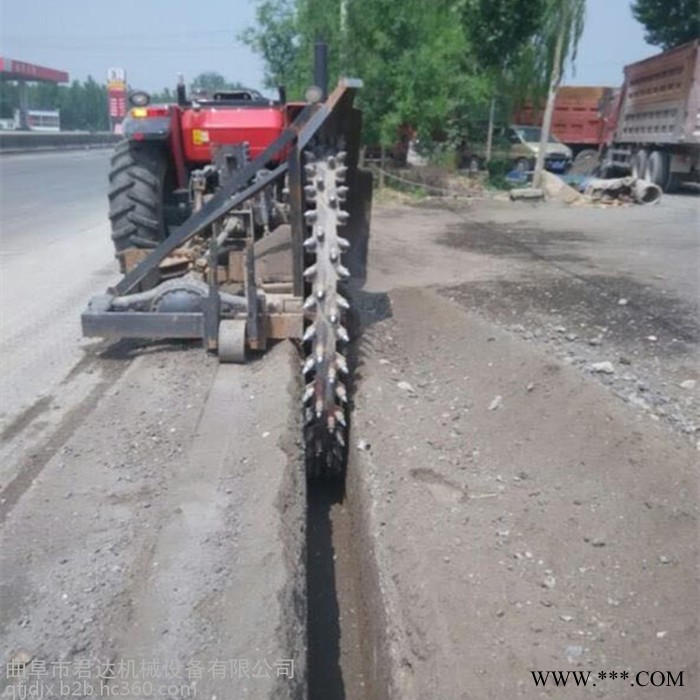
x=136 y=188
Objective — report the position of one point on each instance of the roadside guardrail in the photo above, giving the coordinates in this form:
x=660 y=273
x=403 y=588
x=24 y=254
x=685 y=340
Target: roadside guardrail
x=32 y=141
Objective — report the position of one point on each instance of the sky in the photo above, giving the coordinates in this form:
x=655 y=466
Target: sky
x=156 y=39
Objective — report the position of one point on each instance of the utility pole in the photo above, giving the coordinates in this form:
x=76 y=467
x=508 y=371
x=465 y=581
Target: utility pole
x=343 y=36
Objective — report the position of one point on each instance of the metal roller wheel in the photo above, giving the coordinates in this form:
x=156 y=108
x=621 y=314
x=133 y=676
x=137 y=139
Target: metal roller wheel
x=325 y=337
x=232 y=341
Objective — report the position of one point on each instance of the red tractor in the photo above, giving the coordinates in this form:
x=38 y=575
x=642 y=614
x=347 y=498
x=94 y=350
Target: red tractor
x=239 y=220
x=174 y=154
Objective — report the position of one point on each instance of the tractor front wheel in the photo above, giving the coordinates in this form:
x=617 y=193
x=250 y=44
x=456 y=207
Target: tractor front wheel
x=136 y=189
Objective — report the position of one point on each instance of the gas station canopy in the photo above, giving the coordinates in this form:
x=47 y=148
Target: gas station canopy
x=20 y=70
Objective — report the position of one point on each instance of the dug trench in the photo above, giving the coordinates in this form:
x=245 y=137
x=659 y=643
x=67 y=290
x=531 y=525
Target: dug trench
x=346 y=622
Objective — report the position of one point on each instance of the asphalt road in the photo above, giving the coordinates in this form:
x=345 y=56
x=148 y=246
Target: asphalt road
x=55 y=253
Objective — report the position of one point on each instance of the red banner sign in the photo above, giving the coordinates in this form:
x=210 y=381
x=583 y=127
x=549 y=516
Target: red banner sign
x=117 y=103
x=21 y=70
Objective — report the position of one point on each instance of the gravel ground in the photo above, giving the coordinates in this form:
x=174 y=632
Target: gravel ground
x=522 y=516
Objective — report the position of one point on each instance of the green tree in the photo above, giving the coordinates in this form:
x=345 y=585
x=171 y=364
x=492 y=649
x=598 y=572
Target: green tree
x=668 y=23
x=429 y=66
x=557 y=42
x=9 y=98
x=417 y=59
x=83 y=106
x=164 y=96
x=211 y=81
x=500 y=31
x=276 y=39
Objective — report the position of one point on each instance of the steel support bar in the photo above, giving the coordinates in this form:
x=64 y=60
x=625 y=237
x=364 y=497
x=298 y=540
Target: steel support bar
x=142 y=324
x=212 y=308
x=296 y=219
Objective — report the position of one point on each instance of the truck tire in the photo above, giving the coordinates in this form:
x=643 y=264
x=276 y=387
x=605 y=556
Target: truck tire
x=136 y=184
x=639 y=164
x=675 y=182
x=657 y=169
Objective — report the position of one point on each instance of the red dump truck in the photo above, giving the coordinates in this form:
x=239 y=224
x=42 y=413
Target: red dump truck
x=578 y=120
x=649 y=127
x=653 y=128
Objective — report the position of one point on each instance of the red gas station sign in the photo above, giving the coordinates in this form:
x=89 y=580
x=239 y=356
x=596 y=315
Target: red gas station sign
x=117 y=104
x=116 y=92
x=21 y=70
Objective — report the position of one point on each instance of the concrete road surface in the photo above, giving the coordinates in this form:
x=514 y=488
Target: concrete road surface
x=152 y=507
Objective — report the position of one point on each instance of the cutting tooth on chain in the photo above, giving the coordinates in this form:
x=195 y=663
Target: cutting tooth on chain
x=309 y=304
x=310 y=169
x=310 y=271
x=332 y=162
x=310 y=243
x=342 y=193
x=344 y=243
x=341 y=156
x=310 y=216
x=340 y=417
x=342 y=271
x=310 y=332
x=308 y=392
x=340 y=174
x=332 y=375
x=342 y=302
x=308 y=365
x=343 y=217
x=342 y=334
x=341 y=363
x=310 y=193
x=341 y=393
